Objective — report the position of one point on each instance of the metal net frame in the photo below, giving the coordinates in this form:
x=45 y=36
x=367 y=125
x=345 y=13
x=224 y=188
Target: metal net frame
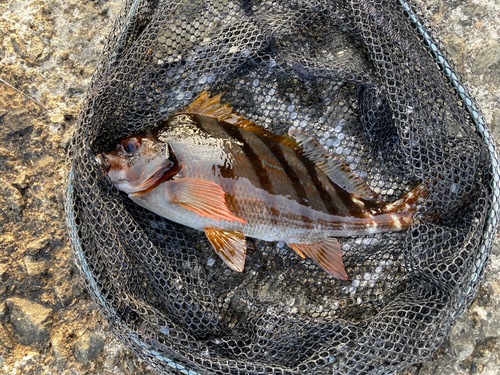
x=370 y=82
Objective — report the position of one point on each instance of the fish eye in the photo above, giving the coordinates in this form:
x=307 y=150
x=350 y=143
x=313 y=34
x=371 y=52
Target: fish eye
x=132 y=145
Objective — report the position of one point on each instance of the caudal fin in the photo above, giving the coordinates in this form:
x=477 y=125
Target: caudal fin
x=394 y=216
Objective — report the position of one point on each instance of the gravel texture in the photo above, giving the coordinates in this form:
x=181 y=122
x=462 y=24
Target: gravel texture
x=48 y=325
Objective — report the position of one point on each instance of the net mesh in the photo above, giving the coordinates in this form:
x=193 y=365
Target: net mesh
x=367 y=80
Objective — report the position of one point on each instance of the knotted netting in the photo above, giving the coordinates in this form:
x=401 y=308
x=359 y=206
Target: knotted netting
x=365 y=78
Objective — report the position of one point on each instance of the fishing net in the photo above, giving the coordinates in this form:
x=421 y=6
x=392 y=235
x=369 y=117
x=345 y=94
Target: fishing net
x=372 y=85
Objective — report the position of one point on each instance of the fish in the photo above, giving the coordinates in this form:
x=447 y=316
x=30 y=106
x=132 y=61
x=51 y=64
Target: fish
x=208 y=168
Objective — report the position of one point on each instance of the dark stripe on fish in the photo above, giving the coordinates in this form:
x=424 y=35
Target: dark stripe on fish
x=326 y=198
x=346 y=199
x=226 y=171
x=232 y=203
x=276 y=150
x=231 y=200
x=251 y=155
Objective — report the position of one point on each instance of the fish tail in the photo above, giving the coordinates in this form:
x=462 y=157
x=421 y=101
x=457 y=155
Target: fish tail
x=405 y=207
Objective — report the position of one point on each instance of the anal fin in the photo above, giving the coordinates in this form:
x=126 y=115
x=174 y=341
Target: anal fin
x=327 y=254
x=230 y=246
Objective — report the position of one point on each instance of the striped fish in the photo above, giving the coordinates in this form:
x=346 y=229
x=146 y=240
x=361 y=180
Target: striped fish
x=210 y=169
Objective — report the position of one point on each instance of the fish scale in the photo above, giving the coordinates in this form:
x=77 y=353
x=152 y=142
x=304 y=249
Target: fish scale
x=212 y=170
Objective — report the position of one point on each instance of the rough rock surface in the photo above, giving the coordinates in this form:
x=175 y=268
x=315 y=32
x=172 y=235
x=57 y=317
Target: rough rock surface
x=32 y=322
x=88 y=347
x=48 y=50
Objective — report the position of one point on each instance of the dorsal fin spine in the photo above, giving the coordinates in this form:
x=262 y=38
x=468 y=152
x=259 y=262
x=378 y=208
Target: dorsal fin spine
x=213 y=108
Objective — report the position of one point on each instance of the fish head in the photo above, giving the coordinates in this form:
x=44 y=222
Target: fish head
x=139 y=163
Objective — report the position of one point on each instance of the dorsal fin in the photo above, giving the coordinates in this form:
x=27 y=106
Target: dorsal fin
x=212 y=107
x=330 y=165
x=337 y=171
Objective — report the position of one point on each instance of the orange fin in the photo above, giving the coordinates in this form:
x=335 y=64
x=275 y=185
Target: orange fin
x=206 y=198
x=327 y=254
x=213 y=108
x=230 y=246
x=330 y=165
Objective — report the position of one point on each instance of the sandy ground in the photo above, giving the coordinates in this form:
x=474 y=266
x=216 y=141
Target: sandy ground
x=48 y=51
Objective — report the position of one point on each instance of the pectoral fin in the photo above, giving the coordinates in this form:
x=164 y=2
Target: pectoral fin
x=206 y=198
x=230 y=245
x=327 y=254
